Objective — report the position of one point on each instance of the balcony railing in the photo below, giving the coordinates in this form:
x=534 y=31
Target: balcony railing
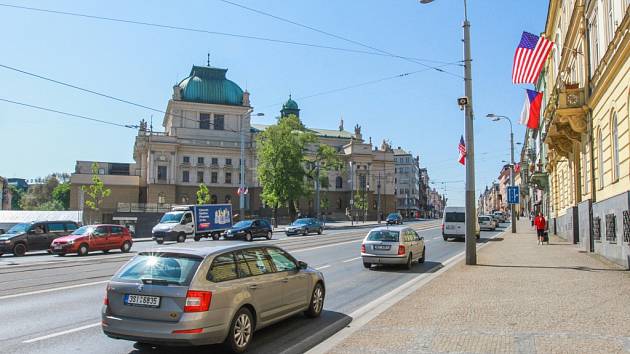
x=143 y=207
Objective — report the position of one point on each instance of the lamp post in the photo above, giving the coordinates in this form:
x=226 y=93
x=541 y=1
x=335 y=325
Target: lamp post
x=241 y=193
x=496 y=118
x=471 y=222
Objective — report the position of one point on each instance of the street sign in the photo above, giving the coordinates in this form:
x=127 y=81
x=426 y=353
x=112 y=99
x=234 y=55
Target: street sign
x=513 y=195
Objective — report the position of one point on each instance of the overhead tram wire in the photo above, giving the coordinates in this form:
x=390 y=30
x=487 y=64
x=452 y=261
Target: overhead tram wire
x=198 y=30
x=129 y=126
x=413 y=60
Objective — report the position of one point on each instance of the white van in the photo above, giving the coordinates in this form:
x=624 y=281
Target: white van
x=454 y=223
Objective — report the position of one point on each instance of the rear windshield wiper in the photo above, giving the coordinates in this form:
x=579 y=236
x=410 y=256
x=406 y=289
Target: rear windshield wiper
x=158 y=281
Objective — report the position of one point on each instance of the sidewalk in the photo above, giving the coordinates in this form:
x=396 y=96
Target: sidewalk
x=520 y=298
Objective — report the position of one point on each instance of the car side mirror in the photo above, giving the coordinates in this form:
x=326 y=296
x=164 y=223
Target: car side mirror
x=183 y=222
x=31 y=232
x=302 y=265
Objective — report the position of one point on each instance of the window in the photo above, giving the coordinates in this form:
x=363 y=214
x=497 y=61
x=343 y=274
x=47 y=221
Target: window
x=188 y=218
x=185 y=176
x=100 y=231
x=338 y=182
x=228 y=162
x=611 y=230
x=257 y=262
x=614 y=145
x=228 y=199
x=223 y=268
x=594 y=41
x=199 y=176
x=170 y=268
x=228 y=177
x=611 y=20
x=161 y=172
x=241 y=266
x=213 y=177
x=204 y=121
x=214 y=199
x=215 y=161
x=186 y=159
x=200 y=161
x=71 y=226
x=56 y=227
x=281 y=260
x=362 y=182
x=117 y=230
x=586 y=167
x=600 y=157
x=219 y=121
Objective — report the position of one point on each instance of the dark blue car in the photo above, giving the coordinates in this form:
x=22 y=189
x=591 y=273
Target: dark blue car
x=394 y=218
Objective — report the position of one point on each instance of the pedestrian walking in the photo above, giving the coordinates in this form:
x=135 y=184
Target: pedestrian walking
x=541 y=224
x=531 y=217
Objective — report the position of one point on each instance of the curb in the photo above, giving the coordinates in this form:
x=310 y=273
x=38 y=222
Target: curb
x=368 y=312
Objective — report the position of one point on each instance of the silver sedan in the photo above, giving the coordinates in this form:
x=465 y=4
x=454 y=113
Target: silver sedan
x=393 y=245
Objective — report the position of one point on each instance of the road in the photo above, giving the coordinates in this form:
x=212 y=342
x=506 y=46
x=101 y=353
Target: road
x=52 y=305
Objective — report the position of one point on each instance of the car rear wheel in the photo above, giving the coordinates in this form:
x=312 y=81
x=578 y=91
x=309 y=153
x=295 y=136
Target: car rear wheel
x=19 y=250
x=445 y=238
x=320 y=231
x=424 y=255
x=269 y=235
x=83 y=250
x=409 y=259
x=248 y=237
x=126 y=247
x=181 y=238
x=317 y=302
x=367 y=265
x=215 y=236
x=305 y=232
x=241 y=331
x=159 y=242
x=197 y=237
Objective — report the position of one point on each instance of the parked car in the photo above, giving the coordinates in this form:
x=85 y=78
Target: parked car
x=500 y=215
x=34 y=236
x=495 y=219
x=454 y=223
x=392 y=245
x=394 y=218
x=486 y=222
x=249 y=230
x=221 y=294
x=93 y=238
x=305 y=226
x=209 y=220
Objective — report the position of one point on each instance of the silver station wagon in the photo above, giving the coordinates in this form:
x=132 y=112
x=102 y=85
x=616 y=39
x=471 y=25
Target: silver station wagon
x=392 y=245
x=179 y=296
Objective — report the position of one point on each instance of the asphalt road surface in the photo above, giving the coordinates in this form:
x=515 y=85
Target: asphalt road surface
x=52 y=304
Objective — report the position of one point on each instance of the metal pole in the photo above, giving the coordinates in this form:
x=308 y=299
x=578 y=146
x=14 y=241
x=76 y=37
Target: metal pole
x=378 y=202
x=317 y=203
x=471 y=215
x=512 y=175
x=242 y=172
x=351 y=195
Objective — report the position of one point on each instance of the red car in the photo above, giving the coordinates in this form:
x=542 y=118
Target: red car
x=93 y=238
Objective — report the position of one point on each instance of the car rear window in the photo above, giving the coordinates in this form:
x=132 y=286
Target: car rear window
x=383 y=235
x=170 y=268
x=455 y=217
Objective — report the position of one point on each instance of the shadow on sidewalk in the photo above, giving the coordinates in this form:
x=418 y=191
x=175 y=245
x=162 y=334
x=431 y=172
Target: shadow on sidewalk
x=587 y=269
x=426 y=267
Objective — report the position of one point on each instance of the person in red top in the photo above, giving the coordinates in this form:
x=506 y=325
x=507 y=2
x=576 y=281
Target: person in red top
x=540 y=224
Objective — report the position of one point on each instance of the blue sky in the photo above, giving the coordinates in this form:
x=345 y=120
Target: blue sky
x=417 y=112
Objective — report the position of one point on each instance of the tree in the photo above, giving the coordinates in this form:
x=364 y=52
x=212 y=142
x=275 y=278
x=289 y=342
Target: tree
x=61 y=195
x=38 y=194
x=203 y=194
x=51 y=205
x=96 y=191
x=16 y=197
x=281 y=155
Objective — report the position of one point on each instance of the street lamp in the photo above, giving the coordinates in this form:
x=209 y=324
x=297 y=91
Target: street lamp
x=241 y=193
x=496 y=118
x=471 y=229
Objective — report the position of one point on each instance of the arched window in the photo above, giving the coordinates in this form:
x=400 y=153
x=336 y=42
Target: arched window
x=338 y=182
x=614 y=146
x=600 y=158
x=214 y=199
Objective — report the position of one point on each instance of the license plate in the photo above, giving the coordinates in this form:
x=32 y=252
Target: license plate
x=382 y=247
x=142 y=300
x=450 y=227
x=57 y=247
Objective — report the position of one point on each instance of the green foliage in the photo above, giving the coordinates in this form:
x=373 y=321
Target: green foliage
x=96 y=191
x=61 y=195
x=324 y=203
x=360 y=202
x=16 y=197
x=203 y=194
x=51 y=205
x=38 y=194
x=281 y=155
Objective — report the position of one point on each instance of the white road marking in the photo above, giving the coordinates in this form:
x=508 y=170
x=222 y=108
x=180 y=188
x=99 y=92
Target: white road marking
x=436 y=237
x=52 y=289
x=323 y=267
x=52 y=335
x=351 y=259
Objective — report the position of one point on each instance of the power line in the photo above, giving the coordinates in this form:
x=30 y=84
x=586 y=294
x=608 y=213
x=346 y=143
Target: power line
x=414 y=60
x=69 y=114
x=196 y=30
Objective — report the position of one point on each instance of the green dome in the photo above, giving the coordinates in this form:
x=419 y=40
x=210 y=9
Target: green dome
x=209 y=85
x=290 y=104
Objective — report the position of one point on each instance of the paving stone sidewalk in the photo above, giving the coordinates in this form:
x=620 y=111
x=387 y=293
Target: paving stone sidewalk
x=520 y=298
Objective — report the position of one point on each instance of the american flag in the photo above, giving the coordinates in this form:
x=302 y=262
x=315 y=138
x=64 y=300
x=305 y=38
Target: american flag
x=529 y=58
x=462 y=151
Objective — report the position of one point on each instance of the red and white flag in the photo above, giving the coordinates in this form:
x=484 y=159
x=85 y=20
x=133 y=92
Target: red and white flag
x=530 y=115
x=462 y=151
x=243 y=190
x=529 y=58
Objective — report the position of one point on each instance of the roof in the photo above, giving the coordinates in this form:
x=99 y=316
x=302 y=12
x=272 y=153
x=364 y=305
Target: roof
x=207 y=84
x=19 y=216
x=390 y=228
x=290 y=104
x=325 y=133
x=204 y=251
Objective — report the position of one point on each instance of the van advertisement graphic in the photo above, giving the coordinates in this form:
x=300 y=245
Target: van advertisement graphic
x=213 y=217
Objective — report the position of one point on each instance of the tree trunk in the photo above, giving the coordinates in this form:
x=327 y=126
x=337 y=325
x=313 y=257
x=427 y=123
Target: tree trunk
x=291 y=210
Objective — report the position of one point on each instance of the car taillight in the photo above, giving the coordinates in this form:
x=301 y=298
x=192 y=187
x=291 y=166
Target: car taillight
x=197 y=301
x=363 y=249
x=401 y=250
x=442 y=227
x=188 y=331
x=106 y=298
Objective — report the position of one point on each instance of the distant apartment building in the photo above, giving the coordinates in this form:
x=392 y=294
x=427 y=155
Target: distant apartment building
x=407 y=183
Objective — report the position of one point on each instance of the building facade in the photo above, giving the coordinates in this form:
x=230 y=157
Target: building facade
x=206 y=121
x=407 y=180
